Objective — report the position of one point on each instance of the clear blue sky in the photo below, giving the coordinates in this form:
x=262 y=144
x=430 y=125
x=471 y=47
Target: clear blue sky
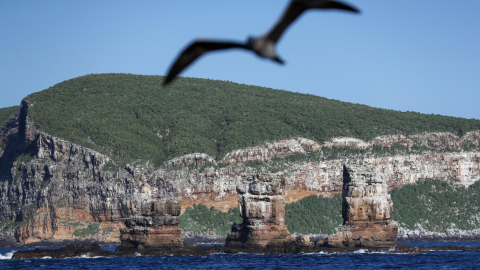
x=408 y=55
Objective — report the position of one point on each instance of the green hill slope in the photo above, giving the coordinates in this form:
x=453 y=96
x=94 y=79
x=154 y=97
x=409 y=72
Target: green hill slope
x=6 y=112
x=132 y=117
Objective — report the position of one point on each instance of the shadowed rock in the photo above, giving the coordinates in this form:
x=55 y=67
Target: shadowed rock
x=68 y=251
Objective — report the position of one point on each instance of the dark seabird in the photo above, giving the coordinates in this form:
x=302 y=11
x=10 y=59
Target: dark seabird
x=263 y=46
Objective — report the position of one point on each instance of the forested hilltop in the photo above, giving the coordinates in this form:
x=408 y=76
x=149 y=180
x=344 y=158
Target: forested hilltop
x=132 y=117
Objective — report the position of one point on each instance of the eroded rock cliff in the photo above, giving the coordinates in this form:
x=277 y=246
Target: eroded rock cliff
x=52 y=189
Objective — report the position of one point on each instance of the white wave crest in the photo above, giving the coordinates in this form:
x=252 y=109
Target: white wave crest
x=7 y=256
x=87 y=255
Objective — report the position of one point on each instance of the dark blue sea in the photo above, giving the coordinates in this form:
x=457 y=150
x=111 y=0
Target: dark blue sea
x=359 y=260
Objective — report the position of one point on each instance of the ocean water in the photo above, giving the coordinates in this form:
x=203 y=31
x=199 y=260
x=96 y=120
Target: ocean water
x=358 y=260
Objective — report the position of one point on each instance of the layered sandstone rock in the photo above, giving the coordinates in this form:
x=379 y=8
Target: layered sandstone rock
x=157 y=227
x=425 y=157
x=366 y=211
x=262 y=207
x=269 y=151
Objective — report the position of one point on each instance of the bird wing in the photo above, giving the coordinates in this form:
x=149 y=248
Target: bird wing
x=294 y=9
x=328 y=4
x=297 y=7
x=195 y=50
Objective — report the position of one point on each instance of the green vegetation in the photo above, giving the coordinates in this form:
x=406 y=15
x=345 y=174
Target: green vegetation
x=314 y=214
x=437 y=206
x=131 y=117
x=24 y=157
x=201 y=219
x=91 y=229
x=110 y=167
x=29 y=213
x=44 y=183
x=311 y=214
x=6 y=112
x=6 y=225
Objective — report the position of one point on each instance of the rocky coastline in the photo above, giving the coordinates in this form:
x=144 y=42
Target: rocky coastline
x=263 y=230
x=192 y=238
x=94 y=250
x=198 y=239
x=366 y=211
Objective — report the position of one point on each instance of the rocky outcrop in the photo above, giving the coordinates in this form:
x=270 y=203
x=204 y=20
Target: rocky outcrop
x=84 y=250
x=366 y=211
x=190 y=238
x=262 y=207
x=157 y=227
x=94 y=250
x=422 y=234
x=195 y=159
x=273 y=150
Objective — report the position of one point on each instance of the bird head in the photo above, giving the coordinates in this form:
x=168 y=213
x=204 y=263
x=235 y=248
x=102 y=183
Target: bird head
x=264 y=47
x=251 y=41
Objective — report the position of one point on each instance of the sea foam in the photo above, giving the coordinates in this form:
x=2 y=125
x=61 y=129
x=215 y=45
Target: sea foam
x=7 y=256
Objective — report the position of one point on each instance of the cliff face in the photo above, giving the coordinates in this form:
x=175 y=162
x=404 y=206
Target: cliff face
x=52 y=189
x=436 y=159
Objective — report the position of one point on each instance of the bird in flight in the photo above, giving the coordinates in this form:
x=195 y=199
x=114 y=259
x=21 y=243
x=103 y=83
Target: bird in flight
x=263 y=46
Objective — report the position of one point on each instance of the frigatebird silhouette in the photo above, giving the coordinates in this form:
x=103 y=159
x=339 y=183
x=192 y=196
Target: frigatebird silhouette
x=263 y=46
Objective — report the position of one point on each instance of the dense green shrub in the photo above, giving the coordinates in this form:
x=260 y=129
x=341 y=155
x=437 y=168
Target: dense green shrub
x=314 y=214
x=201 y=219
x=437 y=205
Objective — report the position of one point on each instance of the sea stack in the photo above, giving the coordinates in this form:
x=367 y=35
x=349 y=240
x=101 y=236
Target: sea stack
x=366 y=211
x=156 y=228
x=262 y=207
